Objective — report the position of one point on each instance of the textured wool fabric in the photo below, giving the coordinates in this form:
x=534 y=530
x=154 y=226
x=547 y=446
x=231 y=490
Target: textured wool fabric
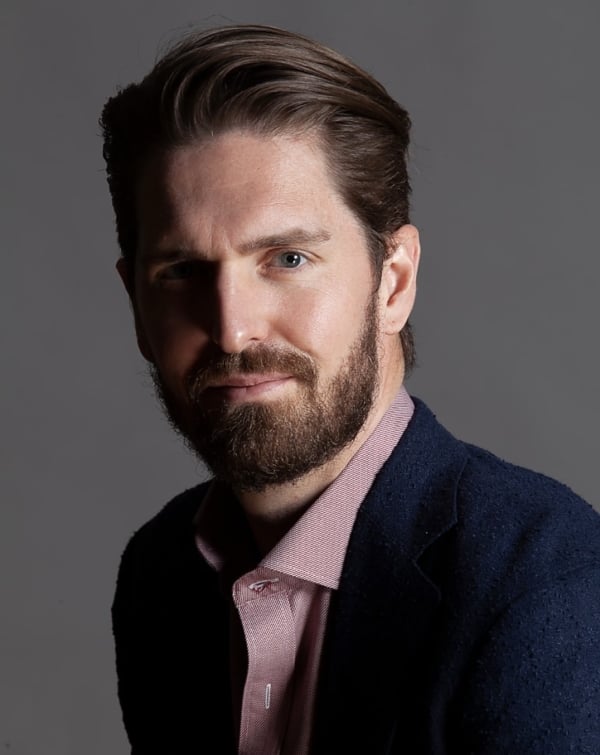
x=466 y=620
x=282 y=604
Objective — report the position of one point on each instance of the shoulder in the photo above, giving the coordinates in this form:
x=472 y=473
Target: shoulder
x=176 y=515
x=167 y=536
x=523 y=517
x=485 y=524
x=501 y=501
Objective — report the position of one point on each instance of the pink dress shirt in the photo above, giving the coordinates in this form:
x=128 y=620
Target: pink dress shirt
x=280 y=603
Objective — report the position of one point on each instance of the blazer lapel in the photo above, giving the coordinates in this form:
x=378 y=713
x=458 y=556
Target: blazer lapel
x=381 y=616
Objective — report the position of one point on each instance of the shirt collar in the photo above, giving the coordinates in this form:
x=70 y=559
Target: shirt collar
x=314 y=548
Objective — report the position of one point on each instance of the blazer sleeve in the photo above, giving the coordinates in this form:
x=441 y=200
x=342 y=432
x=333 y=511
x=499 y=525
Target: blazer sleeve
x=533 y=684
x=132 y=672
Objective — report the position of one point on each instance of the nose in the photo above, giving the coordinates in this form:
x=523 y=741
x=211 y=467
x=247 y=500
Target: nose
x=239 y=316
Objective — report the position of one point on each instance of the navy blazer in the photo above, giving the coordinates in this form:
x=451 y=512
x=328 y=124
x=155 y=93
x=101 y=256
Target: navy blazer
x=467 y=618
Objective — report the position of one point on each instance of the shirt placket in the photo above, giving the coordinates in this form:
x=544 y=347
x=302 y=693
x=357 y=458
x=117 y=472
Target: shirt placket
x=267 y=621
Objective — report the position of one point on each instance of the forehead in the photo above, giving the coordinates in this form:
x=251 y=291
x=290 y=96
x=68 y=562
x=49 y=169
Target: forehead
x=238 y=184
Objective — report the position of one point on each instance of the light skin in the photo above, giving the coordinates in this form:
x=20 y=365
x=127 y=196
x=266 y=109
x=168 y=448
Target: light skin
x=244 y=241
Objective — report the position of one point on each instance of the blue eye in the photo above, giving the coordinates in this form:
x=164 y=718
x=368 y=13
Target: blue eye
x=289 y=260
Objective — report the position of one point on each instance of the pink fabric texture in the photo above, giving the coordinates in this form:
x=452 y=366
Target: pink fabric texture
x=280 y=604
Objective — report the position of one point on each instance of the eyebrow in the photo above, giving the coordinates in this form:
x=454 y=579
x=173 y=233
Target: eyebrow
x=286 y=238
x=291 y=237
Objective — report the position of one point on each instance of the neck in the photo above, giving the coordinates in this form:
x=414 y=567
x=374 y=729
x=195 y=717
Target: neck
x=273 y=511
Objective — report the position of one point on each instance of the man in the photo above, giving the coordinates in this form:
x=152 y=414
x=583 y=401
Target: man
x=354 y=579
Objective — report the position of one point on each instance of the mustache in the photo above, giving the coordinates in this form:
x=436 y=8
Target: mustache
x=257 y=360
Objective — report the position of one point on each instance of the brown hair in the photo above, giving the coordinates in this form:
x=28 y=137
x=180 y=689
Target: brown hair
x=268 y=81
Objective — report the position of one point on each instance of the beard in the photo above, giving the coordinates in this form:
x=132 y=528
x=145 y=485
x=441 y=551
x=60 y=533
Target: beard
x=256 y=445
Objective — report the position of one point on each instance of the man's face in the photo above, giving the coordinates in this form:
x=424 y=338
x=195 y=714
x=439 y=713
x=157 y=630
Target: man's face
x=256 y=304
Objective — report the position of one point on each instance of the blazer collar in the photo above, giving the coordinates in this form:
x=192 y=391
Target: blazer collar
x=383 y=609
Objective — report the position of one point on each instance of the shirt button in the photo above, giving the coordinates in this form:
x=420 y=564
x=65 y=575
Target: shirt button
x=261 y=584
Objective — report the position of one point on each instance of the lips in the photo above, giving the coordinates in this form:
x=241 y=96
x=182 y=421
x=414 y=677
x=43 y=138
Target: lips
x=247 y=381
x=242 y=388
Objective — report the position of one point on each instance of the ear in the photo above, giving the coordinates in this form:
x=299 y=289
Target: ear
x=125 y=273
x=399 y=279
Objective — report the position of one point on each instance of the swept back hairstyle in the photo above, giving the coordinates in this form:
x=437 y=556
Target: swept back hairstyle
x=267 y=81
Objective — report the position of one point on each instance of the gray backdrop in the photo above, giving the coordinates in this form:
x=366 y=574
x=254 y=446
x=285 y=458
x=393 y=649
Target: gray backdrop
x=504 y=98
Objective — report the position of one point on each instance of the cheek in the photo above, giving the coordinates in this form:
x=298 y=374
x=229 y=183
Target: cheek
x=173 y=337
x=324 y=321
